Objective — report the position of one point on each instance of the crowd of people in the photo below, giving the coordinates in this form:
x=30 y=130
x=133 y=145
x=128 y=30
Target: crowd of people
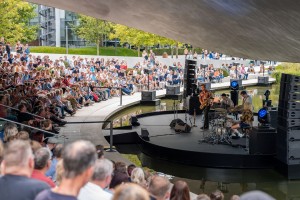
x=39 y=92
x=79 y=170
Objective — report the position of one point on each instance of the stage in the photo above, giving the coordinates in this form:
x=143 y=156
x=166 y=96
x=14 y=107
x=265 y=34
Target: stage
x=188 y=148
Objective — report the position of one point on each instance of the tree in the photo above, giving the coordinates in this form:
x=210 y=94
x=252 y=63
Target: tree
x=171 y=42
x=14 y=19
x=133 y=36
x=92 y=29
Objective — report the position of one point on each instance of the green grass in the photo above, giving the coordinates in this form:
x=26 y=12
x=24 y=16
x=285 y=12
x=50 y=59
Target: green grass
x=287 y=68
x=104 y=51
x=136 y=161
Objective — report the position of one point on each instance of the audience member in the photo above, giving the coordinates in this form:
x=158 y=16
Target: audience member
x=180 y=191
x=257 y=195
x=100 y=151
x=217 y=195
x=57 y=155
x=42 y=163
x=130 y=191
x=59 y=172
x=159 y=188
x=23 y=135
x=120 y=175
x=203 y=197
x=10 y=132
x=100 y=180
x=78 y=161
x=138 y=177
x=17 y=167
x=235 y=197
x=130 y=168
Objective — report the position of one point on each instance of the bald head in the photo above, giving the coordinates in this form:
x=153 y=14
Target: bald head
x=77 y=157
x=159 y=187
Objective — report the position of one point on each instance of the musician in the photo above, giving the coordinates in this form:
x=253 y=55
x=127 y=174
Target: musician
x=204 y=99
x=226 y=102
x=246 y=120
x=246 y=98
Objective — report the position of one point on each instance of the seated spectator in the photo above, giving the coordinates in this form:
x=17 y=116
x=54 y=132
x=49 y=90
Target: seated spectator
x=217 y=195
x=257 y=195
x=159 y=188
x=130 y=168
x=120 y=175
x=42 y=163
x=130 y=191
x=18 y=167
x=100 y=151
x=35 y=145
x=180 y=191
x=138 y=177
x=57 y=155
x=203 y=197
x=23 y=135
x=235 y=197
x=10 y=132
x=100 y=180
x=78 y=160
x=59 y=171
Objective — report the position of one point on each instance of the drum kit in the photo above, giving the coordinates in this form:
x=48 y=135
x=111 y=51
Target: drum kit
x=221 y=125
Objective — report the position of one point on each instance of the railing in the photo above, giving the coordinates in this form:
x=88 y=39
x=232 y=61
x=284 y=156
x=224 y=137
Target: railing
x=37 y=116
x=31 y=127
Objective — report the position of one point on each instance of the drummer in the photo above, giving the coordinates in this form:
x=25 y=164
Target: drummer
x=226 y=102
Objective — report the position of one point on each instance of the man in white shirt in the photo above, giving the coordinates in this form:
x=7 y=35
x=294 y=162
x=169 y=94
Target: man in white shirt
x=94 y=189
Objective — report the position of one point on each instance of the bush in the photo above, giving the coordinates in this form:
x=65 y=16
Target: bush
x=287 y=68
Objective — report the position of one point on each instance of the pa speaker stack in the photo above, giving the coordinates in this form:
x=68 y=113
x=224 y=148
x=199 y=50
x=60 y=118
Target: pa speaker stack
x=149 y=98
x=288 y=129
x=189 y=77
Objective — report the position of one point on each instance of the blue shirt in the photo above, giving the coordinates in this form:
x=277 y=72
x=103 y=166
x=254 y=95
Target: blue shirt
x=52 y=170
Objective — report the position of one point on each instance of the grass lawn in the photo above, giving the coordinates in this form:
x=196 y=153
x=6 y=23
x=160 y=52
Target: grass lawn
x=104 y=51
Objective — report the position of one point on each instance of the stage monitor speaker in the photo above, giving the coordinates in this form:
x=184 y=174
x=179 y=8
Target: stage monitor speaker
x=182 y=128
x=289 y=105
x=289 y=78
x=144 y=133
x=263 y=80
x=262 y=140
x=174 y=122
x=148 y=95
x=234 y=95
x=173 y=89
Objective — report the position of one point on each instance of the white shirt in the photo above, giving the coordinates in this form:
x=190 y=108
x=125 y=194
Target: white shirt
x=92 y=191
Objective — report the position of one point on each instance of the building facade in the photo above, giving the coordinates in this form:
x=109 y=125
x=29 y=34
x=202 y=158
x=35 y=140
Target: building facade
x=54 y=23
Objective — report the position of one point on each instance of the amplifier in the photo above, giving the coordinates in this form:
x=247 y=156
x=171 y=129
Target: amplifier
x=289 y=105
x=292 y=134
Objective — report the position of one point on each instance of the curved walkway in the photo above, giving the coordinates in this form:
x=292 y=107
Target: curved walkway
x=103 y=110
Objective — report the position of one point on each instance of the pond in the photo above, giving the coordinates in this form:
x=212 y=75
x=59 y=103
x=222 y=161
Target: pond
x=206 y=180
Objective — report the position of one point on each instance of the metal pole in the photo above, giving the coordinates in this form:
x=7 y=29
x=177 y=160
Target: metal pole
x=67 y=42
x=121 y=96
x=111 y=138
x=148 y=80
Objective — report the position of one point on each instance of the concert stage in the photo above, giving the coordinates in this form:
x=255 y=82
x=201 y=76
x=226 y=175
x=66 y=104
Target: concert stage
x=188 y=148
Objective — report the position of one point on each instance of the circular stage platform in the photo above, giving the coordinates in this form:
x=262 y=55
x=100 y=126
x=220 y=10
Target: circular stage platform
x=188 y=148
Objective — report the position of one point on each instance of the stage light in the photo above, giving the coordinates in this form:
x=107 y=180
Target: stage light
x=263 y=116
x=234 y=85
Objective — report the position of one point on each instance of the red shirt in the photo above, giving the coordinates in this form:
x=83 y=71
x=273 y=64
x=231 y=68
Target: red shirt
x=40 y=176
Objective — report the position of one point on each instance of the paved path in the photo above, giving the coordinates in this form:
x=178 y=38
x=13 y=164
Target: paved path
x=103 y=110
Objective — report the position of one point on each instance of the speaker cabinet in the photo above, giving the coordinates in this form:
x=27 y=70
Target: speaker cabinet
x=263 y=80
x=148 y=95
x=144 y=134
x=173 y=89
x=262 y=140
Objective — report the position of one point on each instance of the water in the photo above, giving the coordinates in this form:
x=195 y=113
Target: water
x=206 y=180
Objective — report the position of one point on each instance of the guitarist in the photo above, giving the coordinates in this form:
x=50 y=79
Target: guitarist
x=204 y=99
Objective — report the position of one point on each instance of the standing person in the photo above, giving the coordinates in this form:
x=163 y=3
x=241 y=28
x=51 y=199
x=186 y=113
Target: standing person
x=145 y=55
x=8 y=49
x=78 y=160
x=152 y=57
x=26 y=49
x=19 y=47
x=186 y=51
x=17 y=168
x=204 y=98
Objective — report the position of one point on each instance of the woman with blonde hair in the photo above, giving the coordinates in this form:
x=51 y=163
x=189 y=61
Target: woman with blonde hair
x=138 y=177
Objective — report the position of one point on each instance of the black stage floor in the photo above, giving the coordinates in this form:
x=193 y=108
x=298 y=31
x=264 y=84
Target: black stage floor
x=161 y=134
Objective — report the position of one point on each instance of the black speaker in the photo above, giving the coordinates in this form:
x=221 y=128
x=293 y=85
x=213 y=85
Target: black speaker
x=289 y=78
x=273 y=118
x=148 y=95
x=288 y=123
x=263 y=80
x=288 y=114
x=289 y=105
x=234 y=95
x=134 y=121
x=144 y=134
x=189 y=76
x=287 y=148
x=262 y=140
x=173 y=89
x=194 y=105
